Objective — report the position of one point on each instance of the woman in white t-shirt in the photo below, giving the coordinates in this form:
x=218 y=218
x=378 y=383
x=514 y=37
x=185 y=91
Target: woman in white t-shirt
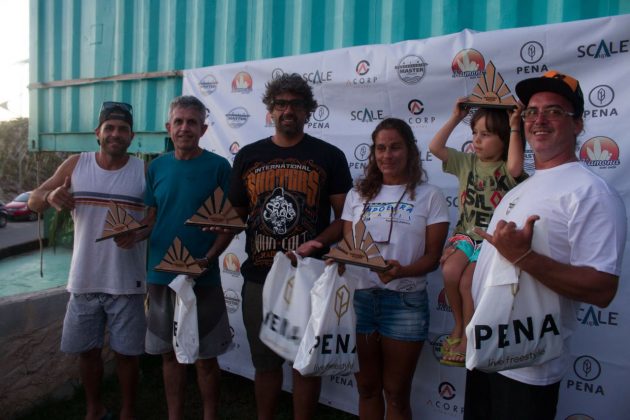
x=408 y=219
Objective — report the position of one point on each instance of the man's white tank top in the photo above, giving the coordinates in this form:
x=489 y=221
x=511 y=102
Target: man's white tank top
x=103 y=267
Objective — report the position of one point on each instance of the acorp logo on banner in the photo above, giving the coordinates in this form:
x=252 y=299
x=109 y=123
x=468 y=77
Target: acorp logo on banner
x=446 y=392
x=416 y=108
x=587 y=369
x=362 y=69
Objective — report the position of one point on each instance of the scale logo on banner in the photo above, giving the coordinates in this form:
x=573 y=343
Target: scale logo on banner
x=358 y=87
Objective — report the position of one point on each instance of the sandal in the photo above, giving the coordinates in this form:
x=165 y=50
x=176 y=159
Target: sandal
x=448 y=344
x=454 y=358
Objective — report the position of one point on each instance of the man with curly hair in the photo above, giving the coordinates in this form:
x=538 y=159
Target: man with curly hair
x=285 y=187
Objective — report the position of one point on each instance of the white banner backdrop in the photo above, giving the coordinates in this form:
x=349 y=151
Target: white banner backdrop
x=419 y=81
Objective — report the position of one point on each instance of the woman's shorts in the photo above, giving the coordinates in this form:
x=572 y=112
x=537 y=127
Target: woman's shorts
x=401 y=316
x=467 y=245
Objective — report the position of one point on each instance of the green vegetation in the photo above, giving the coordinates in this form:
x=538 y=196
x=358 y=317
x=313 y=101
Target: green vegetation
x=237 y=399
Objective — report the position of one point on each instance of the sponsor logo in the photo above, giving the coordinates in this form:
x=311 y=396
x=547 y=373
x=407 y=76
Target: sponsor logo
x=208 y=84
x=280 y=212
x=416 y=108
x=601 y=97
x=232 y=300
x=288 y=290
x=604 y=49
x=468 y=147
x=242 y=82
x=237 y=117
x=367 y=115
x=411 y=69
x=343 y=380
x=442 y=303
x=320 y=115
x=436 y=346
x=531 y=53
x=596 y=317
x=587 y=369
x=318 y=76
x=468 y=63
x=362 y=152
x=276 y=73
x=231 y=263
x=452 y=201
x=363 y=80
x=342 y=301
x=234 y=148
x=600 y=151
x=443 y=403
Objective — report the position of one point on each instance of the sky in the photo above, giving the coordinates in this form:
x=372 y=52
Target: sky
x=14 y=53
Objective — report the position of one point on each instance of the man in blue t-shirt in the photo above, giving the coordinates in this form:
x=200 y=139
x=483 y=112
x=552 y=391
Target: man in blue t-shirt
x=178 y=183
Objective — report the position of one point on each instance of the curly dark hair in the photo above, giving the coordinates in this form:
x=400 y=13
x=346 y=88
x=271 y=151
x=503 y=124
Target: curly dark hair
x=370 y=184
x=290 y=83
x=497 y=122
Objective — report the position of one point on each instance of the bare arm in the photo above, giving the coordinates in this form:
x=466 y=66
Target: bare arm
x=434 y=237
x=331 y=234
x=515 y=149
x=55 y=190
x=581 y=283
x=437 y=146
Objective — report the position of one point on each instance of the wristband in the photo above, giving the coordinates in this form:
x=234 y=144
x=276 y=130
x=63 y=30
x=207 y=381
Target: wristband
x=515 y=131
x=46 y=196
x=522 y=257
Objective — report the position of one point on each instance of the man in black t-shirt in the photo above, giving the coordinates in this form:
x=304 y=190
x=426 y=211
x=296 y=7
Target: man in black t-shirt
x=285 y=186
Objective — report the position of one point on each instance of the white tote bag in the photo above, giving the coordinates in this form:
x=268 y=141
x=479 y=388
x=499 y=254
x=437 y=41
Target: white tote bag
x=518 y=320
x=329 y=343
x=287 y=303
x=185 y=328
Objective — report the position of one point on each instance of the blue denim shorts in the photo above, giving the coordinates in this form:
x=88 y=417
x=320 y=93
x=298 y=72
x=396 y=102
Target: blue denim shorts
x=401 y=316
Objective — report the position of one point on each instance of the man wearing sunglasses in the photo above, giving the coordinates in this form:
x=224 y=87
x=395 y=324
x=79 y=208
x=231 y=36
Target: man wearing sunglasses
x=285 y=186
x=107 y=278
x=584 y=220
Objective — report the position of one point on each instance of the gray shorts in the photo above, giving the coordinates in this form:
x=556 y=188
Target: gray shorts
x=87 y=315
x=215 y=337
x=263 y=358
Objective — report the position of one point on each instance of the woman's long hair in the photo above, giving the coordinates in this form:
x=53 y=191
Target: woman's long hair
x=370 y=184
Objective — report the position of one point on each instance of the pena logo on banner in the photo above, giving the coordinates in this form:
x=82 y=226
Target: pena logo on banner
x=468 y=63
x=319 y=118
x=531 y=54
x=601 y=97
x=601 y=152
x=587 y=369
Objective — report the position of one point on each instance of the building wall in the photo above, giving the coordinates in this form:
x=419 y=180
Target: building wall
x=75 y=44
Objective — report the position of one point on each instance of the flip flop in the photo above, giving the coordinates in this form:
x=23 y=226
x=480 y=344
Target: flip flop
x=460 y=357
x=448 y=344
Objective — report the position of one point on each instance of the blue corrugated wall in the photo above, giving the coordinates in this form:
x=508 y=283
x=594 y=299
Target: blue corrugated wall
x=73 y=41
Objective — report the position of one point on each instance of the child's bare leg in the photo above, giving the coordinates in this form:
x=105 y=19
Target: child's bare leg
x=467 y=303
x=452 y=271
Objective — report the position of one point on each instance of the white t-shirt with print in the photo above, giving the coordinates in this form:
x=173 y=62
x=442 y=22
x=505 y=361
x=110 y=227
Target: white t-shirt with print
x=410 y=219
x=586 y=223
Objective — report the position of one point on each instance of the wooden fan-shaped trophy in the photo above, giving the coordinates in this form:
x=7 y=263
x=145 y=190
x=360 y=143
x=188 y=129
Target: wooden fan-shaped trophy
x=178 y=260
x=491 y=91
x=358 y=248
x=217 y=211
x=118 y=222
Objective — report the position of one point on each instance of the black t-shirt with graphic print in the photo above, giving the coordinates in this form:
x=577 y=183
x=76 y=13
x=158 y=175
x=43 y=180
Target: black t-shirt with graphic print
x=286 y=191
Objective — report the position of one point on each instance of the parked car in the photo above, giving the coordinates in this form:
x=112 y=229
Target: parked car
x=18 y=210
x=4 y=216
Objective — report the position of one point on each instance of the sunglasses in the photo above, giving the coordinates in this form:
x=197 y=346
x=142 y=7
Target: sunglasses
x=283 y=104
x=110 y=105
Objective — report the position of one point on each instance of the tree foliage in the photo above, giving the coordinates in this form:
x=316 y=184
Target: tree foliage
x=21 y=170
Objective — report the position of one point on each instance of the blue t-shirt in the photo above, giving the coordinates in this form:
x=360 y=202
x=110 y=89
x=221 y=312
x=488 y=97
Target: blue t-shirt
x=177 y=188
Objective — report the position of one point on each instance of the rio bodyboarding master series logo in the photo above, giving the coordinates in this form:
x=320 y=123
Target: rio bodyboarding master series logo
x=411 y=69
x=208 y=84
